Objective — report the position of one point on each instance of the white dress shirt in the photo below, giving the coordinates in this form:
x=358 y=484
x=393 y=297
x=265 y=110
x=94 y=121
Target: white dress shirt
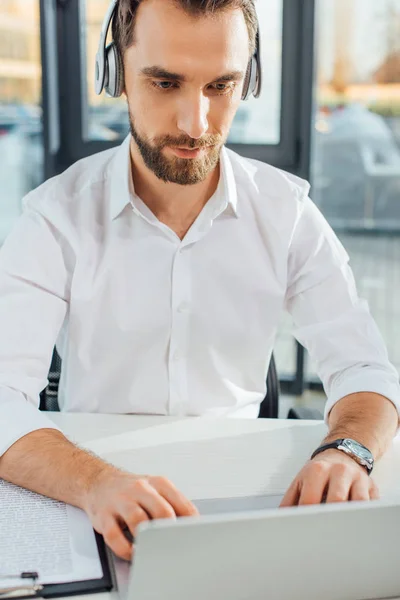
x=147 y=323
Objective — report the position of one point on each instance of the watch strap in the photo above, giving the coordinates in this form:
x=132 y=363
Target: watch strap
x=334 y=445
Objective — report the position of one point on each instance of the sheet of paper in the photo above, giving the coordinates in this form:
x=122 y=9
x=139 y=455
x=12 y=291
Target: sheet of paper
x=43 y=535
x=255 y=463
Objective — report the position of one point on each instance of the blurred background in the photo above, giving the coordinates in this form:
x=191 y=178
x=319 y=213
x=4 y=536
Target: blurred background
x=329 y=112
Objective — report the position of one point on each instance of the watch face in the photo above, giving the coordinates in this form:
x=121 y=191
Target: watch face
x=358 y=449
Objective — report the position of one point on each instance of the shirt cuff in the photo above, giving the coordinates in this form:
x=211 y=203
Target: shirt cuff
x=367 y=381
x=18 y=417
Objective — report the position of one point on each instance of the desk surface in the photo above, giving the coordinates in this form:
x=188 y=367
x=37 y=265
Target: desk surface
x=286 y=443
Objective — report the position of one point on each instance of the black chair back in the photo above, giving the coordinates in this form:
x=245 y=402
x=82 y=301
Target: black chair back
x=269 y=408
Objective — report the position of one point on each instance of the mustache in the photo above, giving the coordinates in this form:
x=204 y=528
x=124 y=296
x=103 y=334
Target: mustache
x=184 y=141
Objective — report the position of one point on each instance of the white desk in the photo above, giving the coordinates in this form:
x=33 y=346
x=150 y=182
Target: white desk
x=278 y=447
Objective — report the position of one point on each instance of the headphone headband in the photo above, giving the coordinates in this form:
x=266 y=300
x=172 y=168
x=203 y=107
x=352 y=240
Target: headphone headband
x=101 y=56
x=109 y=64
x=257 y=55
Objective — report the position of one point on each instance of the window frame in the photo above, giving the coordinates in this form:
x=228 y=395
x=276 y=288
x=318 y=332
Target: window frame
x=65 y=21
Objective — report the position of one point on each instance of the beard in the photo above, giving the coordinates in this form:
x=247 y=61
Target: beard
x=179 y=170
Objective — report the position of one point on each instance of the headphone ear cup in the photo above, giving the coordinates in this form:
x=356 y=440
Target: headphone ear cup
x=245 y=93
x=250 y=82
x=114 y=80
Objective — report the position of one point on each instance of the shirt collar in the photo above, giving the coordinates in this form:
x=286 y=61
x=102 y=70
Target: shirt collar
x=122 y=189
x=120 y=168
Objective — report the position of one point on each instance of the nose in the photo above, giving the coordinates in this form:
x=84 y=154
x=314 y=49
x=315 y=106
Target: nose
x=193 y=116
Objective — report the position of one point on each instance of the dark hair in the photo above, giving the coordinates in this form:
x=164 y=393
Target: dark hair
x=124 y=20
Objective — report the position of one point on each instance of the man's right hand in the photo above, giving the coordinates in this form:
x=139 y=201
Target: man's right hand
x=46 y=462
x=117 y=500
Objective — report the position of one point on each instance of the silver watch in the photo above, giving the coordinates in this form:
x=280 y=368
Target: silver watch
x=354 y=449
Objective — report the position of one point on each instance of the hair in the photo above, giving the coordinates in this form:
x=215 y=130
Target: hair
x=124 y=20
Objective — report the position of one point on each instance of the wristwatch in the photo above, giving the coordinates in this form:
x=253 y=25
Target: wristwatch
x=354 y=449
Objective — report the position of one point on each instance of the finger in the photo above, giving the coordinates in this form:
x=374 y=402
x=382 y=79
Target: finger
x=181 y=505
x=133 y=517
x=152 y=502
x=373 y=490
x=314 y=485
x=291 y=497
x=340 y=483
x=360 y=490
x=116 y=540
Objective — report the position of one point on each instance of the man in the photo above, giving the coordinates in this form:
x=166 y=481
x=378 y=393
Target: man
x=165 y=265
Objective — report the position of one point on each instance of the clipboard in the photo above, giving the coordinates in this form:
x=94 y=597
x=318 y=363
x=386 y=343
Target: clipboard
x=55 y=590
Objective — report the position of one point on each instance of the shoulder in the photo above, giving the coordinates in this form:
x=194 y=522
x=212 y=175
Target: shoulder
x=266 y=182
x=78 y=184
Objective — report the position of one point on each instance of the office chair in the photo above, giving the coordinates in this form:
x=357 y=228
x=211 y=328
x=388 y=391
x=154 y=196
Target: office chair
x=269 y=408
x=49 y=396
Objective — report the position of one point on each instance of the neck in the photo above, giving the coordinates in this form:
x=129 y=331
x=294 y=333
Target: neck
x=177 y=206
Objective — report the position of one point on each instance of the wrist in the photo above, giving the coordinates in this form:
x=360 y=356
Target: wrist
x=98 y=473
x=369 y=418
x=352 y=448
x=367 y=441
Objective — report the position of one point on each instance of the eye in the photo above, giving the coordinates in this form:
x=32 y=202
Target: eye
x=163 y=85
x=223 y=88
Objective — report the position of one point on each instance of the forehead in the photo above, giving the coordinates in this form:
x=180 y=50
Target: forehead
x=167 y=36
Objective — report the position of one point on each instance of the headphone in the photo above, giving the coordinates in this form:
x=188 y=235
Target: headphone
x=109 y=73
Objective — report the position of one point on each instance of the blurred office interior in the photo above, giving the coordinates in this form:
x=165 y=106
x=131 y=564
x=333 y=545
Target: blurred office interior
x=329 y=112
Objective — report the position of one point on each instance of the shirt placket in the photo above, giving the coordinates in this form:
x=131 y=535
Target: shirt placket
x=180 y=305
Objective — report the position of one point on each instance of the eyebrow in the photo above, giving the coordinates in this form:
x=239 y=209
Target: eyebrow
x=160 y=73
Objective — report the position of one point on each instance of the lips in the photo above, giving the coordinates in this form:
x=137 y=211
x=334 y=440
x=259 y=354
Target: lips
x=186 y=152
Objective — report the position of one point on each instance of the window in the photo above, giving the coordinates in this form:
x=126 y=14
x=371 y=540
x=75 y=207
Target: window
x=356 y=158
x=21 y=148
x=274 y=128
x=257 y=121
x=108 y=117
x=357 y=134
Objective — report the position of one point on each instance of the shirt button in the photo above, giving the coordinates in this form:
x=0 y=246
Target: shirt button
x=184 y=307
x=177 y=355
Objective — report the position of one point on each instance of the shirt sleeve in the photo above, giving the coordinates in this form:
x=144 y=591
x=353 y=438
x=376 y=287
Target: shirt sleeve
x=33 y=304
x=331 y=321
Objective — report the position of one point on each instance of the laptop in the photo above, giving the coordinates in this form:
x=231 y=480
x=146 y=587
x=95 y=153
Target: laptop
x=218 y=506
x=325 y=552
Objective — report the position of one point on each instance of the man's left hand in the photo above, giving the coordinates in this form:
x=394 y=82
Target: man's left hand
x=330 y=477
